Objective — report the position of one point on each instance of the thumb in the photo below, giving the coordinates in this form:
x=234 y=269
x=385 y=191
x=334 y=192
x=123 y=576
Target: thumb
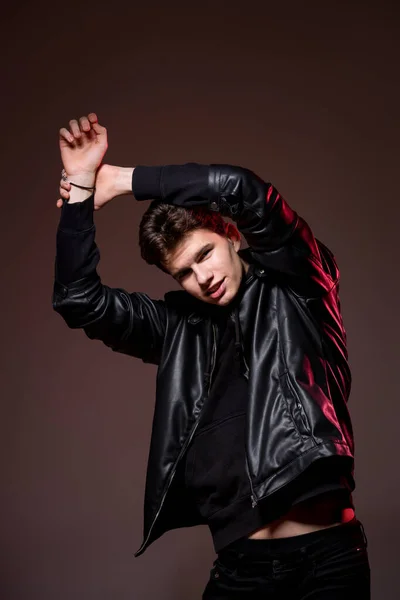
x=99 y=129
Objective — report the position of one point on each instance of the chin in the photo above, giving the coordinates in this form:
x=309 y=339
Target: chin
x=226 y=298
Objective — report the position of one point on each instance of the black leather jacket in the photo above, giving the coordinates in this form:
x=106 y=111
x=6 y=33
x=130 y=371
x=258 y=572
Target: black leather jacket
x=293 y=341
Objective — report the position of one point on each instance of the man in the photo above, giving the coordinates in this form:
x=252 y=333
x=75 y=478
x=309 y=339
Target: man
x=251 y=433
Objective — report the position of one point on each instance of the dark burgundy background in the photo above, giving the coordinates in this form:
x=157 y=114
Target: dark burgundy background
x=305 y=94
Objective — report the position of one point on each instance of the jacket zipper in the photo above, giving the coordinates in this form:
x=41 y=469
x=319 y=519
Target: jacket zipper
x=254 y=500
x=238 y=344
x=187 y=442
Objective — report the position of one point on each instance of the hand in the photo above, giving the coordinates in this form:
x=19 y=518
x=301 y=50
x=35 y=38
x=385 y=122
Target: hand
x=83 y=146
x=105 y=188
x=111 y=181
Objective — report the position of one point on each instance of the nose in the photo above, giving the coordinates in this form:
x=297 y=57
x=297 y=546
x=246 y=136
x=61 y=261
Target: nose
x=204 y=277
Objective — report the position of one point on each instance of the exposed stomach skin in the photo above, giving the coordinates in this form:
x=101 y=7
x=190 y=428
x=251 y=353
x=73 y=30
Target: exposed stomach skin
x=316 y=513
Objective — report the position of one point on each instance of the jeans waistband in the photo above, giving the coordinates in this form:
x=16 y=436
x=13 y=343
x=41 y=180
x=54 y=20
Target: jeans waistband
x=353 y=530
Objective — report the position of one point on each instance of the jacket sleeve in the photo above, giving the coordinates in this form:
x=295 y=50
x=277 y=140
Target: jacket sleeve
x=131 y=323
x=278 y=238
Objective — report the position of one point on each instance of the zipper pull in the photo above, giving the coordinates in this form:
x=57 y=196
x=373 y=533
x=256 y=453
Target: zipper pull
x=253 y=501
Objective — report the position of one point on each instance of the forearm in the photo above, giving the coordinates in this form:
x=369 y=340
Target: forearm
x=76 y=251
x=182 y=185
x=232 y=191
x=261 y=214
x=78 y=291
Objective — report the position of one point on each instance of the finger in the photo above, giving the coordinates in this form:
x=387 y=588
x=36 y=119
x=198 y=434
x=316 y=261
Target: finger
x=84 y=124
x=59 y=203
x=65 y=184
x=98 y=128
x=91 y=135
x=64 y=194
x=95 y=123
x=66 y=135
x=74 y=127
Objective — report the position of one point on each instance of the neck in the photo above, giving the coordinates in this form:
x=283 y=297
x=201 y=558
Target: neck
x=245 y=265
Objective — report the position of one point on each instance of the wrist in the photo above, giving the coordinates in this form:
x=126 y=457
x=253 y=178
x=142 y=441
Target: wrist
x=123 y=180
x=82 y=186
x=85 y=179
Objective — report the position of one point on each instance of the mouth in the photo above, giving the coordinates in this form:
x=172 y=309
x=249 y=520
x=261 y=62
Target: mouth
x=216 y=290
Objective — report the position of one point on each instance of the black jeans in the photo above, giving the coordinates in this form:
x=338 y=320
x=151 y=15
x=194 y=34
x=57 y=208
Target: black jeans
x=330 y=564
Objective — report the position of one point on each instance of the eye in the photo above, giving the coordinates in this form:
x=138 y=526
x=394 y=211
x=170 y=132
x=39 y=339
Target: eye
x=183 y=275
x=205 y=253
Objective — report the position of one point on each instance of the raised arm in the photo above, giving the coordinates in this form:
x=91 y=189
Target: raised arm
x=130 y=323
x=278 y=238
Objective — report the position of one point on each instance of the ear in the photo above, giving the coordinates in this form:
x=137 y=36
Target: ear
x=234 y=236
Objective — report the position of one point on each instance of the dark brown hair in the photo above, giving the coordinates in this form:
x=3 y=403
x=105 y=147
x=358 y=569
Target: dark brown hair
x=164 y=226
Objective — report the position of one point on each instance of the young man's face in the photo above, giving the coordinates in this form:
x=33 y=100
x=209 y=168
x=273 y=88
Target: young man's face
x=207 y=265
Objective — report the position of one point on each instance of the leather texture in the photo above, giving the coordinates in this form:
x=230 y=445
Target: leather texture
x=294 y=345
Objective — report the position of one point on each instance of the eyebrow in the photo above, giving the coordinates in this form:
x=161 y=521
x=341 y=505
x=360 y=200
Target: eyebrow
x=195 y=259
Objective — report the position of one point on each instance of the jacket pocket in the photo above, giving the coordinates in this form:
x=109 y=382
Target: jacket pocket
x=215 y=465
x=295 y=406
